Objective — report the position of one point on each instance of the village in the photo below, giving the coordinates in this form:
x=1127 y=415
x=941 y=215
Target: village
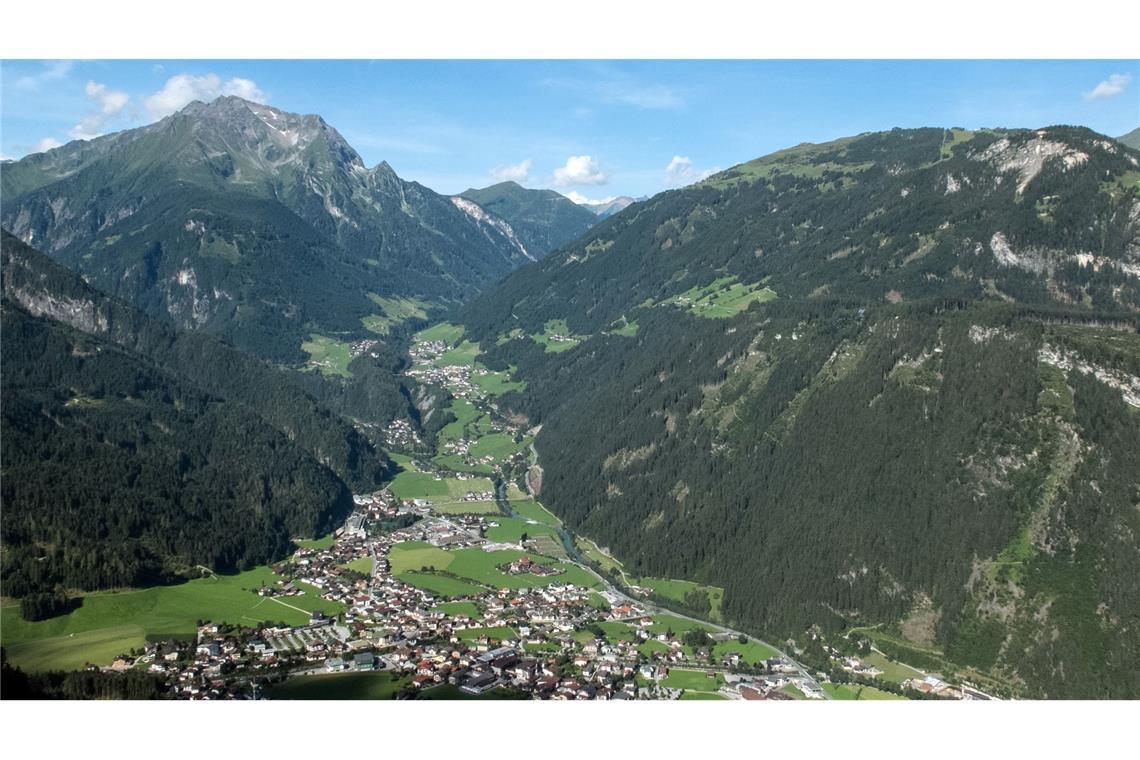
x=527 y=640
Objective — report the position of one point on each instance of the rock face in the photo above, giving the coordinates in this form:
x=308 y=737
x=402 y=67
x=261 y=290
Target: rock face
x=252 y=222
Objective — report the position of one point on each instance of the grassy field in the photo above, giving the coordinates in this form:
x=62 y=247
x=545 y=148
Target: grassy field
x=593 y=552
x=414 y=484
x=557 y=327
x=702 y=695
x=441 y=585
x=647 y=648
x=361 y=565
x=315 y=543
x=892 y=671
x=496 y=383
x=394 y=311
x=500 y=446
x=415 y=555
x=794 y=691
x=74 y=651
x=752 y=652
x=453 y=609
x=677 y=590
x=468 y=507
x=616 y=631
x=376 y=685
x=481 y=567
x=624 y=328
x=531 y=510
x=465 y=415
x=722 y=298
x=108 y=624
x=445 y=331
x=328 y=356
x=512 y=528
x=854 y=692
x=692 y=679
x=665 y=623
x=462 y=354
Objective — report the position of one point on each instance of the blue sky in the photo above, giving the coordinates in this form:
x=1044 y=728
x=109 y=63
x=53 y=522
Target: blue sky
x=592 y=128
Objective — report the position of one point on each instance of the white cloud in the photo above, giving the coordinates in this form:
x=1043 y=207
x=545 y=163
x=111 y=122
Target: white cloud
x=580 y=170
x=53 y=70
x=681 y=171
x=46 y=144
x=519 y=172
x=184 y=88
x=1110 y=88
x=109 y=103
x=584 y=200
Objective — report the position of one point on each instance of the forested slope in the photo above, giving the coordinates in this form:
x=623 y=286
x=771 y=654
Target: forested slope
x=133 y=453
x=889 y=380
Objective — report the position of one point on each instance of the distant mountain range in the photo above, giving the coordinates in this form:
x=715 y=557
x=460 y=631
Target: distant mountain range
x=251 y=222
x=891 y=380
x=1132 y=139
x=606 y=209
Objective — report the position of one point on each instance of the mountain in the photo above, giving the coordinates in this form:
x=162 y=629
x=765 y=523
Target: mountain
x=606 y=209
x=134 y=454
x=253 y=223
x=1132 y=139
x=891 y=380
x=544 y=220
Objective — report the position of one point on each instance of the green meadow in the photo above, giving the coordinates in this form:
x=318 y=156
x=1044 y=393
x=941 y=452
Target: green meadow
x=722 y=298
x=702 y=695
x=751 y=652
x=394 y=311
x=416 y=555
x=328 y=356
x=511 y=529
x=412 y=483
x=695 y=680
x=444 y=331
x=112 y=623
x=531 y=509
x=360 y=565
x=678 y=589
x=557 y=327
x=496 y=383
x=852 y=692
x=441 y=585
x=374 y=685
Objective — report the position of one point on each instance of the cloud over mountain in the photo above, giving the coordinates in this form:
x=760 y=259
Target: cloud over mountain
x=580 y=170
x=184 y=88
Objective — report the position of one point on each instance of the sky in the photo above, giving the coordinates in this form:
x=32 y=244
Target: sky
x=589 y=129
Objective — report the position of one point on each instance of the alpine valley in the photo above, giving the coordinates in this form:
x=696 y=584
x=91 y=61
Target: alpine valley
x=858 y=419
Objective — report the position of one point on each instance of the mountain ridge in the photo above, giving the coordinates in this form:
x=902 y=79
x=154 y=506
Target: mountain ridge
x=867 y=382
x=249 y=221
x=544 y=219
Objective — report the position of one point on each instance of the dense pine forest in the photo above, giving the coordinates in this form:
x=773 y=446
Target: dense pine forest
x=907 y=430
x=135 y=454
